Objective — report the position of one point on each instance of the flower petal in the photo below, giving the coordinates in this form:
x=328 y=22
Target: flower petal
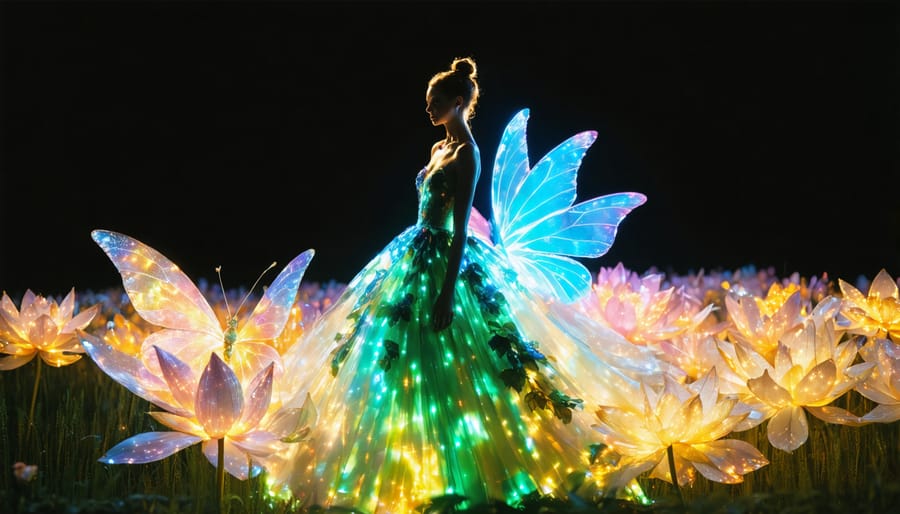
x=768 y=391
x=8 y=362
x=788 y=428
x=259 y=397
x=883 y=414
x=816 y=386
x=238 y=463
x=219 y=398
x=728 y=459
x=180 y=378
x=130 y=372
x=148 y=447
x=178 y=423
x=836 y=415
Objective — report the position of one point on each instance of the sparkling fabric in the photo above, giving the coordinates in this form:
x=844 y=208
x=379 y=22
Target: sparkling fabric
x=496 y=406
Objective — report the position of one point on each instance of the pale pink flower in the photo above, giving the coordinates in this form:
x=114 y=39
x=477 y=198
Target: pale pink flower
x=639 y=310
x=213 y=407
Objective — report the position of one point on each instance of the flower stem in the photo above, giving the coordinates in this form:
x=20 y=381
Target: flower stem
x=670 y=452
x=37 y=379
x=220 y=475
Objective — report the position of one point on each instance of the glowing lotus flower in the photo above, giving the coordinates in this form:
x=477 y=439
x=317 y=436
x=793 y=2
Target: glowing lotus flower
x=883 y=383
x=874 y=315
x=41 y=327
x=692 y=420
x=635 y=306
x=811 y=369
x=760 y=322
x=695 y=354
x=207 y=410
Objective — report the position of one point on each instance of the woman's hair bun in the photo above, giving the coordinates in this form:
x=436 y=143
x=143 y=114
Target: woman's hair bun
x=464 y=65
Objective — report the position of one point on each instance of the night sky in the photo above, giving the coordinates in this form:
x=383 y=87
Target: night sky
x=235 y=134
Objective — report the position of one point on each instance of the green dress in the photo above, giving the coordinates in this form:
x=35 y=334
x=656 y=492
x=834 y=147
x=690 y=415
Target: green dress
x=484 y=409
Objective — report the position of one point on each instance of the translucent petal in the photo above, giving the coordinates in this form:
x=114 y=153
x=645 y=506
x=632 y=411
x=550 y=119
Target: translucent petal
x=837 y=415
x=817 y=385
x=14 y=361
x=179 y=377
x=258 y=398
x=81 y=320
x=788 y=429
x=731 y=457
x=148 y=447
x=178 y=423
x=128 y=371
x=219 y=398
x=883 y=286
x=238 y=463
x=883 y=414
x=769 y=391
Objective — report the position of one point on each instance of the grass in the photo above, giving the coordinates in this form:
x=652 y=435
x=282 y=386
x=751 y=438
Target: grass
x=80 y=413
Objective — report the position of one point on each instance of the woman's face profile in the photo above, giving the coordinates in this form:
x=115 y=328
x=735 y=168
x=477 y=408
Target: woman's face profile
x=438 y=106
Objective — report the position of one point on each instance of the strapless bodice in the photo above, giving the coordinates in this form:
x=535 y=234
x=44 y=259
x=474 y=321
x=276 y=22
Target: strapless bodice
x=436 y=194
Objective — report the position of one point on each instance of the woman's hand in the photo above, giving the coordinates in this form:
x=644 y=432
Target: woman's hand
x=442 y=314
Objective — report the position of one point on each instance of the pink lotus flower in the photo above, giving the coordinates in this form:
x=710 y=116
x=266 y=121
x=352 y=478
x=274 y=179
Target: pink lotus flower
x=206 y=410
x=638 y=309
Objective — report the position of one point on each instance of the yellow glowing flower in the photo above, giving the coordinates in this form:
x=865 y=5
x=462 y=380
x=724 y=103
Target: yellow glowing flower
x=811 y=369
x=883 y=384
x=691 y=419
x=760 y=322
x=874 y=315
x=41 y=327
x=125 y=335
x=695 y=353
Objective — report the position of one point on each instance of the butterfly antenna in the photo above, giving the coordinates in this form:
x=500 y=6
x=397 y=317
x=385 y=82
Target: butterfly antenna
x=254 y=286
x=224 y=294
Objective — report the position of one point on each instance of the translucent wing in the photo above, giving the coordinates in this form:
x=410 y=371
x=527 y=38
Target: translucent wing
x=159 y=291
x=535 y=221
x=163 y=295
x=272 y=312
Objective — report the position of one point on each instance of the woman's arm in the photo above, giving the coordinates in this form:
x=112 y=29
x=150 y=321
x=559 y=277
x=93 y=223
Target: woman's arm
x=467 y=169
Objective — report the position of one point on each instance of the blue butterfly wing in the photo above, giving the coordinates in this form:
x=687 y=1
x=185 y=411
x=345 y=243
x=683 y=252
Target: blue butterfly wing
x=547 y=190
x=510 y=165
x=585 y=230
x=534 y=220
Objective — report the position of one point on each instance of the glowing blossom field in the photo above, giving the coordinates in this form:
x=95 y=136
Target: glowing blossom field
x=779 y=394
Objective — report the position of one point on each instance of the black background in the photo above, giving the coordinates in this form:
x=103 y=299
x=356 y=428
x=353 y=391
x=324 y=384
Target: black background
x=238 y=133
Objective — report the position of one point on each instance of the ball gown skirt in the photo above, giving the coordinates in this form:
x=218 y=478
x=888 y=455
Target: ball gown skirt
x=497 y=406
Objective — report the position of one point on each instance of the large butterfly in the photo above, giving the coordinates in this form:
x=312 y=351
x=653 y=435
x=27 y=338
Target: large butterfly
x=163 y=295
x=535 y=223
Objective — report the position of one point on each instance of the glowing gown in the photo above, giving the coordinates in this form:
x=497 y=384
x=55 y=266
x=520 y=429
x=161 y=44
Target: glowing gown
x=479 y=409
